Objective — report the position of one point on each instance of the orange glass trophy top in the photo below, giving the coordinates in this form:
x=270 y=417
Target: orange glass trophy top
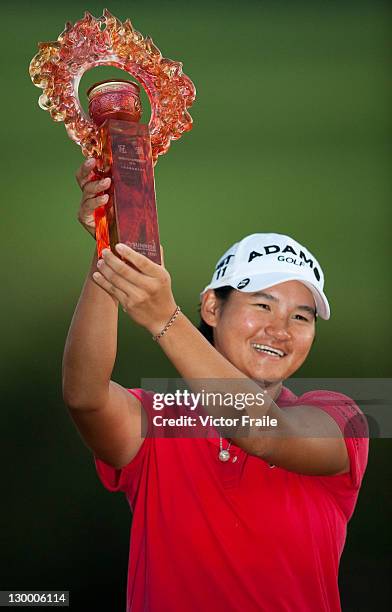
x=106 y=41
x=126 y=150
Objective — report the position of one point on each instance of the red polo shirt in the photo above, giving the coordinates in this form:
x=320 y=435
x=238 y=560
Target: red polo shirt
x=240 y=536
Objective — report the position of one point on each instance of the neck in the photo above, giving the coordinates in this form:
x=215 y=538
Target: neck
x=273 y=388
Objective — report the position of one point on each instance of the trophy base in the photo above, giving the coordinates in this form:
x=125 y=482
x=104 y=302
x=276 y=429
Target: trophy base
x=130 y=215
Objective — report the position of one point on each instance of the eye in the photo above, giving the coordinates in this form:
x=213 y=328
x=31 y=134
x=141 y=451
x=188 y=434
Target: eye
x=301 y=318
x=263 y=306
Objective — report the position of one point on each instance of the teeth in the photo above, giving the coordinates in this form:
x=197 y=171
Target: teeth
x=268 y=349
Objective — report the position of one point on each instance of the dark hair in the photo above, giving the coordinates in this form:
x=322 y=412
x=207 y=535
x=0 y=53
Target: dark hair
x=222 y=293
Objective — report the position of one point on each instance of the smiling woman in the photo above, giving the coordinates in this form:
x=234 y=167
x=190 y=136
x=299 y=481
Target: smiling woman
x=277 y=329
x=260 y=309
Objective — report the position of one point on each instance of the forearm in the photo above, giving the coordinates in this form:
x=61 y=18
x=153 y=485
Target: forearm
x=205 y=369
x=91 y=346
x=193 y=356
x=304 y=439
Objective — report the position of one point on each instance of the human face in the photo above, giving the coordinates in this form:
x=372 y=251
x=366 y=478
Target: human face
x=281 y=317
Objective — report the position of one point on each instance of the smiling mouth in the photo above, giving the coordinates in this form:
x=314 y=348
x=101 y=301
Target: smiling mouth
x=268 y=350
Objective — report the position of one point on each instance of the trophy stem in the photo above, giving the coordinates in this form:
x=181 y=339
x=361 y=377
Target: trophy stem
x=130 y=215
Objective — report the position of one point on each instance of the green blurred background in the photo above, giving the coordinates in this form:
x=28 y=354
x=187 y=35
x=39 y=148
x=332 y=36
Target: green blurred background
x=291 y=134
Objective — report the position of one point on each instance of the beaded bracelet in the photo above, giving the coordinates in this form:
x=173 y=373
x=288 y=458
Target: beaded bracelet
x=168 y=324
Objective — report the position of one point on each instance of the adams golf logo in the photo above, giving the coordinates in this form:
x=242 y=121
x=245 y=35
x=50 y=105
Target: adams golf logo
x=287 y=254
x=299 y=259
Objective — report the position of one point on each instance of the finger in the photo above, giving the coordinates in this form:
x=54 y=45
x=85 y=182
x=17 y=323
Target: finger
x=116 y=279
x=110 y=288
x=136 y=278
x=91 y=188
x=142 y=263
x=88 y=206
x=84 y=170
x=125 y=292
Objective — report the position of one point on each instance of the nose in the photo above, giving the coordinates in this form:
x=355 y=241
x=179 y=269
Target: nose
x=278 y=329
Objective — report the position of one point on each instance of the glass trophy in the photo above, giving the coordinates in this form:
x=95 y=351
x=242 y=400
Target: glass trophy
x=126 y=150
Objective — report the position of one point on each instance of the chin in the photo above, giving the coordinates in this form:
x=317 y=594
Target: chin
x=270 y=378
x=267 y=378
x=269 y=382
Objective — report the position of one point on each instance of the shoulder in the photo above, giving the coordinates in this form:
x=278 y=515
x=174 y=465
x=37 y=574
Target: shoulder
x=352 y=423
x=342 y=408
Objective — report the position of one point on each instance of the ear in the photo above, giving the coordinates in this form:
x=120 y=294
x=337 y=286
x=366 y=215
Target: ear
x=209 y=308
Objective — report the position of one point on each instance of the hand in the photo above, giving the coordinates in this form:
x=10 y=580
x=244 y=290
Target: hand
x=144 y=290
x=86 y=177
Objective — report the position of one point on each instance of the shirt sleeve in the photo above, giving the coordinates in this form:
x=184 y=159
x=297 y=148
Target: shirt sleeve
x=127 y=478
x=352 y=423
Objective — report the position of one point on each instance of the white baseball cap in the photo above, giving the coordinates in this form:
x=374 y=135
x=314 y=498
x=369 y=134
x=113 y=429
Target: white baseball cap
x=260 y=261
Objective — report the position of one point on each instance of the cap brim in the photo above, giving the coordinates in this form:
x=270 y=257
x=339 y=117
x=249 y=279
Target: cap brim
x=258 y=282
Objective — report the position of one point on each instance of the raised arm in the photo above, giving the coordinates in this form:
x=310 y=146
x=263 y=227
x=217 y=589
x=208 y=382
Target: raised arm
x=308 y=440
x=107 y=416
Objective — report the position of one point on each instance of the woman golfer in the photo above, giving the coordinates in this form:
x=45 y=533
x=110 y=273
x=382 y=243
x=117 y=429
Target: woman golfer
x=246 y=523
